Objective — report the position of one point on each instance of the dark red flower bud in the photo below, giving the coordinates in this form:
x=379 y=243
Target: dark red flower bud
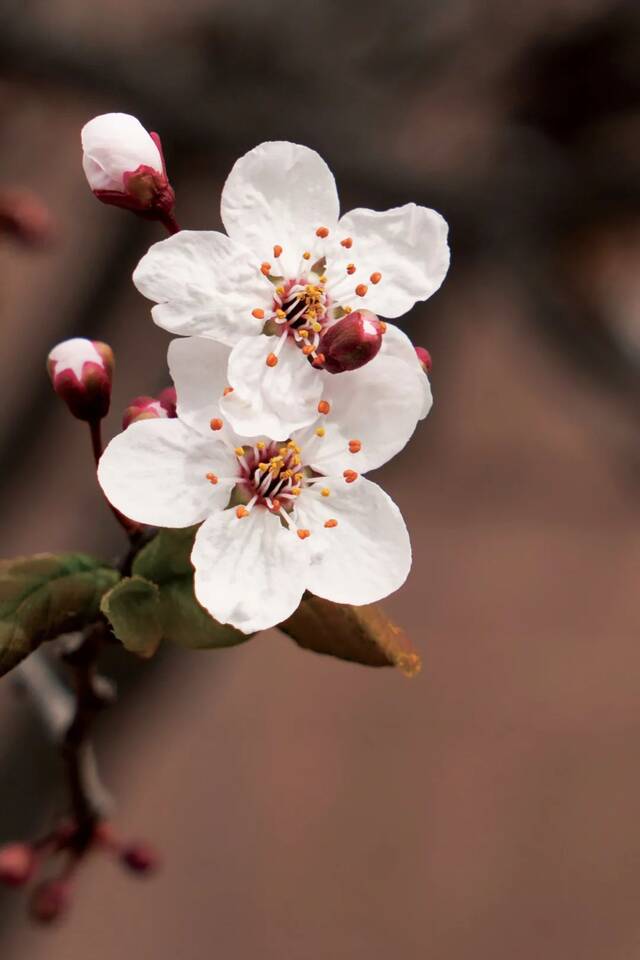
x=351 y=342
x=81 y=372
x=17 y=863
x=425 y=359
x=140 y=858
x=50 y=901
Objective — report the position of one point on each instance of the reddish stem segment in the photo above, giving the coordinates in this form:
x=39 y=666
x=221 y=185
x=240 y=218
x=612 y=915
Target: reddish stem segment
x=169 y=221
x=132 y=529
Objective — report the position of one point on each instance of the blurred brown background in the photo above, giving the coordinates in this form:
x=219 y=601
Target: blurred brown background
x=307 y=808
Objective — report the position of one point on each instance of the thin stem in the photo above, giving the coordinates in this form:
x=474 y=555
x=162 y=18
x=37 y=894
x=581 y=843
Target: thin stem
x=87 y=800
x=133 y=530
x=169 y=221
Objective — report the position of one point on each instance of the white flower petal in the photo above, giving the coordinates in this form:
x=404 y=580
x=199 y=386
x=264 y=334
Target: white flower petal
x=155 y=472
x=199 y=371
x=273 y=401
x=367 y=555
x=397 y=344
x=406 y=245
x=114 y=144
x=378 y=405
x=205 y=285
x=279 y=193
x=250 y=572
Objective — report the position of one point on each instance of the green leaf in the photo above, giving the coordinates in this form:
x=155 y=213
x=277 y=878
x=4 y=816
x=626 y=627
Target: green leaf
x=166 y=561
x=167 y=556
x=187 y=623
x=46 y=595
x=133 y=610
x=360 y=634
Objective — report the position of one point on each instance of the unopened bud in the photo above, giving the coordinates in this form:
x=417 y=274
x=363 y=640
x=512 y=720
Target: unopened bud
x=17 y=863
x=151 y=408
x=140 y=858
x=169 y=401
x=81 y=372
x=425 y=359
x=49 y=901
x=125 y=166
x=25 y=218
x=351 y=342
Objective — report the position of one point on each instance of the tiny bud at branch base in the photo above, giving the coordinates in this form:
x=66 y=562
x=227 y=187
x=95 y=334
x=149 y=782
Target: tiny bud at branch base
x=140 y=858
x=17 y=863
x=49 y=901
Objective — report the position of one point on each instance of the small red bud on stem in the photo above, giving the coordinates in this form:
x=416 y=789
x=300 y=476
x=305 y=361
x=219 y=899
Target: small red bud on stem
x=351 y=342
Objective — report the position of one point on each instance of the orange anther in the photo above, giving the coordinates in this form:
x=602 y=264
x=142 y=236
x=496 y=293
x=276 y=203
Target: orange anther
x=265 y=268
x=276 y=505
x=331 y=523
x=361 y=289
x=307 y=349
x=347 y=309
x=216 y=424
x=355 y=446
x=324 y=406
x=241 y=512
x=271 y=360
x=351 y=268
x=325 y=491
x=211 y=477
x=258 y=313
x=227 y=391
x=347 y=242
x=277 y=250
x=383 y=326
x=322 y=232
x=319 y=360
x=350 y=475
x=375 y=277
x=306 y=255
x=303 y=534
x=280 y=314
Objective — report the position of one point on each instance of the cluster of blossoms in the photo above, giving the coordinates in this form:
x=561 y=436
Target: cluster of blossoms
x=289 y=384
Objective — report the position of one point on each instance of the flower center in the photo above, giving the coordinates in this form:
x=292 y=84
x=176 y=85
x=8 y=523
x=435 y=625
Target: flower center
x=269 y=474
x=303 y=307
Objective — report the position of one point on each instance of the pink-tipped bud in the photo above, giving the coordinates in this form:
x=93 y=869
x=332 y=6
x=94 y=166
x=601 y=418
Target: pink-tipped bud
x=125 y=167
x=140 y=858
x=49 y=901
x=81 y=372
x=425 y=359
x=17 y=863
x=151 y=408
x=351 y=342
x=169 y=401
x=25 y=218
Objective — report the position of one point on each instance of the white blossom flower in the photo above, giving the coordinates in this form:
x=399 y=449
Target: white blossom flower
x=288 y=269
x=124 y=164
x=277 y=517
